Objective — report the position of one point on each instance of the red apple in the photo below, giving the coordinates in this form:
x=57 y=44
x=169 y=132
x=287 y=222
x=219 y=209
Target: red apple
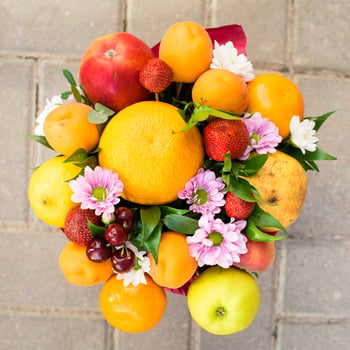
x=110 y=67
x=259 y=258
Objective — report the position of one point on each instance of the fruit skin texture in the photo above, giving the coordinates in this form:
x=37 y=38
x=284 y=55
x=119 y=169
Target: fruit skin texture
x=76 y=226
x=259 y=258
x=221 y=89
x=175 y=264
x=238 y=208
x=153 y=160
x=81 y=271
x=276 y=98
x=232 y=291
x=110 y=68
x=156 y=75
x=67 y=129
x=282 y=182
x=132 y=309
x=187 y=48
x=221 y=136
x=48 y=192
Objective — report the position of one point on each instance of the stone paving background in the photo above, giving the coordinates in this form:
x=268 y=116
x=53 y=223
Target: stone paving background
x=305 y=296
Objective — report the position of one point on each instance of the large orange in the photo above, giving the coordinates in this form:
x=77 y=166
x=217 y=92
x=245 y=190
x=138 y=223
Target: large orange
x=67 y=128
x=175 y=264
x=153 y=160
x=132 y=308
x=79 y=270
x=221 y=89
x=276 y=98
x=187 y=48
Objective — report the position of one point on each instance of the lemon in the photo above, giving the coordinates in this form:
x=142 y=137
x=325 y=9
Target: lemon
x=49 y=193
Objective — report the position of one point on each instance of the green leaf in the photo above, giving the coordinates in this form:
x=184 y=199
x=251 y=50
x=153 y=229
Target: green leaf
x=99 y=114
x=104 y=109
x=150 y=218
x=65 y=95
x=255 y=234
x=227 y=163
x=318 y=155
x=171 y=210
x=181 y=224
x=69 y=76
x=96 y=231
x=243 y=190
x=78 y=156
x=152 y=242
x=261 y=218
x=76 y=93
x=319 y=120
x=252 y=165
x=41 y=139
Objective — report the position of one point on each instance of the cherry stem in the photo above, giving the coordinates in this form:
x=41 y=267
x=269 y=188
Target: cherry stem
x=178 y=90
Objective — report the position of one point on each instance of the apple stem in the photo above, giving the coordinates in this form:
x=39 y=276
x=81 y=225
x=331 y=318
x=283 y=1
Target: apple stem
x=220 y=311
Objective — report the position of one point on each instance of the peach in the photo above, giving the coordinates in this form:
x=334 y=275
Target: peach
x=259 y=258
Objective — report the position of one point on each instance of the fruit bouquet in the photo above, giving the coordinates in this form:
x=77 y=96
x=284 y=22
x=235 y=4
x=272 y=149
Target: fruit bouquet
x=177 y=169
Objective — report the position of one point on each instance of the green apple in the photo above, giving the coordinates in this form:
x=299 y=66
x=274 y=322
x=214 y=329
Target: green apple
x=223 y=301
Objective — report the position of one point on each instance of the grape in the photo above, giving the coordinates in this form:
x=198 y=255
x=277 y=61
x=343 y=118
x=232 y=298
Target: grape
x=98 y=250
x=115 y=234
x=125 y=217
x=123 y=259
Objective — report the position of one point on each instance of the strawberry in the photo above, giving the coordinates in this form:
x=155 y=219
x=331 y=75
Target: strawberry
x=156 y=75
x=221 y=136
x=238 y=208
x=76 y=226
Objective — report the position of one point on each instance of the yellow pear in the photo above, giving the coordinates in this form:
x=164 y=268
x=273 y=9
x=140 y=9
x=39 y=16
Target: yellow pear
x=282 y=185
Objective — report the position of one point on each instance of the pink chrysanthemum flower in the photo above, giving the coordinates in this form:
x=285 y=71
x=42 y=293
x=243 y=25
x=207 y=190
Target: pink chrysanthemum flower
x=263 y=135
x=204 y=192
x=98 y=189
x=217 y=243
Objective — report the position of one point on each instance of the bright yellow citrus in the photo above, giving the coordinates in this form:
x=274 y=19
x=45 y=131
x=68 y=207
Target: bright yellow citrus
x=132 y=308
x=187 y=48
x=276 y=98
x=154 y=161
x=49 y=192
x=79 y=270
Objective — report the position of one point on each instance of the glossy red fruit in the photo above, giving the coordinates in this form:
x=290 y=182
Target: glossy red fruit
x=238 y=208
x=98 y=250
x=125 y=217
x=123 y=260
x=221 y=136
x=76 y=226
x=115 y=234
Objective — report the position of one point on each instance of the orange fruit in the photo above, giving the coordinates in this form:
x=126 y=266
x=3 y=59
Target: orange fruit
x=221 y=89
x=79 y=270
x=187 y=48
x=132 y=308
x=49 y=192
x=66 y=129
x=276 y=98
x=153 y=160
x=175 y=264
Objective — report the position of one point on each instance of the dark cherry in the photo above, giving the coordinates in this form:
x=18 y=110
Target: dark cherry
x=116 y=234
x=125 y=217
x=98 y=250
x=123 y=260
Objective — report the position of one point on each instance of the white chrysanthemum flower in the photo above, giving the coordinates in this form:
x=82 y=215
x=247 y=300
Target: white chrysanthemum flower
x=137 y=274
x=302 y=134
x=226 y=57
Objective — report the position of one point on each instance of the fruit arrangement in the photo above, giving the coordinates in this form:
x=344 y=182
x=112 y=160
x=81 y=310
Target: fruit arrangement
x=176 y=169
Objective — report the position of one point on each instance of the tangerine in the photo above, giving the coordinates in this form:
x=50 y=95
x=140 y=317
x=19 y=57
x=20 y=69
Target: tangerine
x=132 y=308
x=276 y=98
x=154 y=161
